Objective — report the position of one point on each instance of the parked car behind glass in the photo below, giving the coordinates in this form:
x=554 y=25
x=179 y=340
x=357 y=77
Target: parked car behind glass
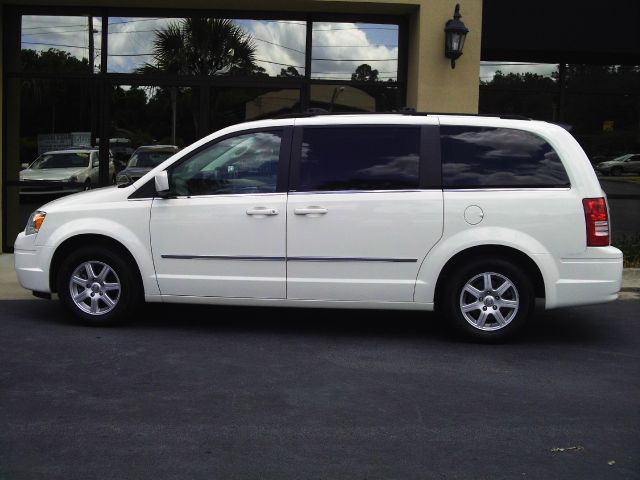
x=629 y=163
x=143 y=160
x=63 y=171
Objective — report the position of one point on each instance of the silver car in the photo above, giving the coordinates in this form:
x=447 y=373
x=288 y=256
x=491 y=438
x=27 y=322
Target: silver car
x=629 y=163
x=63 y=171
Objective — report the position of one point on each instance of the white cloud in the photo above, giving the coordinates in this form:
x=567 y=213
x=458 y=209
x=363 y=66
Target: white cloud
x=348 y=46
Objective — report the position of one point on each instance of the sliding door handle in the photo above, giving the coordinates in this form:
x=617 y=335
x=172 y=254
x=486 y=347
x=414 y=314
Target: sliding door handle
x=310 y=211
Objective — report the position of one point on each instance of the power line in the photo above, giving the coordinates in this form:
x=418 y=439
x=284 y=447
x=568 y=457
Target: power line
x=54 y=45
x=354 y=28
x=277 y=45
x=357 y=46
x=277 y=63
x=56 y=33
x=355 y=59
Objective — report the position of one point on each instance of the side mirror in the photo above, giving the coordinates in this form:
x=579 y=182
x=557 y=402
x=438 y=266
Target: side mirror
x=162 y=183
x=24 y=165
x=95 y=163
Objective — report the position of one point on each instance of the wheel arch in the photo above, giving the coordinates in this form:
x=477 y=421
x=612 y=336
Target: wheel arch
x=518 y=257
x=88 y=239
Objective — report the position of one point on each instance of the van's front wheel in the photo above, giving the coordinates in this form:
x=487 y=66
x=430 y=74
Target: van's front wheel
x=97 y=286
x=489 y=300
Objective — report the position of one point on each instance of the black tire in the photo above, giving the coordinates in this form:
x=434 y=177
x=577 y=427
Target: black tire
x=616 y=171
x=501 y=316
x=87 y=185
x=112 y=306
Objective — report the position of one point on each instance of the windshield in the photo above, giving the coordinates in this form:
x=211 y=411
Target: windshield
x=148 y=159
x=61 y=160
x=621 y=158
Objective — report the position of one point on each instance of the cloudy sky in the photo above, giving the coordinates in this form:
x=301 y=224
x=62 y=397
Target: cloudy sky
x=338 y=48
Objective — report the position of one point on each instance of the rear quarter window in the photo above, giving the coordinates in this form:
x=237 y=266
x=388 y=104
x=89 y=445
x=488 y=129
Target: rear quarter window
x=487 y=157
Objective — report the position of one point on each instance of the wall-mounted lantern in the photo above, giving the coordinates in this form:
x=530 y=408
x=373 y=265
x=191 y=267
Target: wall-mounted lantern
x=455 y=33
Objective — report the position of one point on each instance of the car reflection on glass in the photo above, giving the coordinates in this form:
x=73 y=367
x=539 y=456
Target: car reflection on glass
x=143 y=160
x=629 y=163
x=63 y=171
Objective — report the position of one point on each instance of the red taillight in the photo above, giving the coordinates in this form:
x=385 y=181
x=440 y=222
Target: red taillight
x=597 y=220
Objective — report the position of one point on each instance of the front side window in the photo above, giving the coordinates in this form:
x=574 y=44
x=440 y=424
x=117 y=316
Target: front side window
x=481 y=157
x=359 y=158
x=242 y=164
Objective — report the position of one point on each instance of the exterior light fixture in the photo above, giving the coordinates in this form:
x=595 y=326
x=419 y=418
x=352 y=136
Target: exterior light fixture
x=455 y=33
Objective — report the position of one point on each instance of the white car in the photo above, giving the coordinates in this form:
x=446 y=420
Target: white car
x=63 y=171
x=473 y=216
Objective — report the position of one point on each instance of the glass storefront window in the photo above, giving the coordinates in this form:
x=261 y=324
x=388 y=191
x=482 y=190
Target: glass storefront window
x=152 y=115
x=362 y=52
x=60 y=44
x=56 y=155
x=598 y=102
x=206 y=46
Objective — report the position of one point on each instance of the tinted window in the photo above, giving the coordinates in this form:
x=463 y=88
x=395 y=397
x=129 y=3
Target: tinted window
x=359 y=158
x=242 y=164
x=498 y=157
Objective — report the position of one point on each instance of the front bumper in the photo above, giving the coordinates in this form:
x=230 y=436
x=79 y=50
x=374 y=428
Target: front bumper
x=32 y=263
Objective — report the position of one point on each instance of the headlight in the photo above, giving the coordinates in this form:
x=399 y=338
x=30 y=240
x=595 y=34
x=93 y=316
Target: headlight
x=72 y=178
x=35 y=222
x=122 y=179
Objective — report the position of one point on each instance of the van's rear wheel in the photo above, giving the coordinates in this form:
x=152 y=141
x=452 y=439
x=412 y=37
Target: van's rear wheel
x=489 y=299
x=98 y=287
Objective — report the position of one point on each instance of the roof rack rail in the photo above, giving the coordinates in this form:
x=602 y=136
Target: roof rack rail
x=312 y=112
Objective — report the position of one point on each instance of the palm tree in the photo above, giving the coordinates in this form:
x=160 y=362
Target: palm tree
x=202 y=46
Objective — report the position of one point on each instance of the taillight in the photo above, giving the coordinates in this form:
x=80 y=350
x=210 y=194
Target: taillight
x=597 y=220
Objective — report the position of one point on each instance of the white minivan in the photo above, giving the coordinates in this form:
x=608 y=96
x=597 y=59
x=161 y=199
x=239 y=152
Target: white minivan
x=474 y=216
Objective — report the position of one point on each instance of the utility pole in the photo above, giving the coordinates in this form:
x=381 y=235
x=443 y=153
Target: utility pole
x=91 y=45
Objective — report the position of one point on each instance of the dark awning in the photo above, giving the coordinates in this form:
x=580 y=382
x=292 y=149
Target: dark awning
x=561 y=31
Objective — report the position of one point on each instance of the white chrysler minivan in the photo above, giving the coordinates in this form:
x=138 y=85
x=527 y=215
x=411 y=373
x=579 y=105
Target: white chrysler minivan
x=475 y=216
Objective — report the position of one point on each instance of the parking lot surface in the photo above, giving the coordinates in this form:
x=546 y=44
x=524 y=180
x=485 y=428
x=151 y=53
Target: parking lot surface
x=195 y=393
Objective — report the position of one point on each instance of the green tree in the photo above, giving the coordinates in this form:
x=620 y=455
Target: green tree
x=364 y=73
x=289 y=72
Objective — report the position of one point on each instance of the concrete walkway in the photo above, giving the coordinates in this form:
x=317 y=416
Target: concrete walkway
x=11 y=290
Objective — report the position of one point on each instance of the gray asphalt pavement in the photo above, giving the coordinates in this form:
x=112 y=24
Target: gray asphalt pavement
x=245 y=393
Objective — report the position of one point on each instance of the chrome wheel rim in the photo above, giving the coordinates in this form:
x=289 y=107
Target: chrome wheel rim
x=489 y=301
x=95 y=287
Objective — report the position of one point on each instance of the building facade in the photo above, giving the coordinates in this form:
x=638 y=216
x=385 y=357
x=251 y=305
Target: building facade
x=115 y=75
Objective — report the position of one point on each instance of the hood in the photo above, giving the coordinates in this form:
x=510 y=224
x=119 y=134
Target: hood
x=52 y=174
x=102 y=196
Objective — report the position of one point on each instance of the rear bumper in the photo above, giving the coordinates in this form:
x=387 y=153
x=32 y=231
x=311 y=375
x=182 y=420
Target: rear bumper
x=596 y=278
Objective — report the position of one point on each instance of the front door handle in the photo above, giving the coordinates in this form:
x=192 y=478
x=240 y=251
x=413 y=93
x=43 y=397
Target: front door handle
x=262 y=211
x=310 y=211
